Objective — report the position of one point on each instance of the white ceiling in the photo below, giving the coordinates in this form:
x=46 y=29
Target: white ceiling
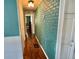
x=36 y=3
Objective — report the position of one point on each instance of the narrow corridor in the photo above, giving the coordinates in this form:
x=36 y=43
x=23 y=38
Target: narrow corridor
x=32 y=49
x=39 y=29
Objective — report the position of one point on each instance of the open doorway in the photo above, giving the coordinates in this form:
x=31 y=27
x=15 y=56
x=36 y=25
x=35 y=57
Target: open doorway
x=28 y=24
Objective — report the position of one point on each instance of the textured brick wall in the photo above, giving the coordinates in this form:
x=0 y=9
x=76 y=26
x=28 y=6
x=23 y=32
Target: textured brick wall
x=46 y=22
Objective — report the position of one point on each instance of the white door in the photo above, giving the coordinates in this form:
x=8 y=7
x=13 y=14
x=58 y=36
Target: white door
x=67 y=45
x=66 y=33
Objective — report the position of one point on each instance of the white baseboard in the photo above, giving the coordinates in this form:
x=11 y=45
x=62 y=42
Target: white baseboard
x=42 y=48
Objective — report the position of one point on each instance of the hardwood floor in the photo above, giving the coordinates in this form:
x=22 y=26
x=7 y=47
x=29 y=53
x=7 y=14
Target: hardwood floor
x=32 y=50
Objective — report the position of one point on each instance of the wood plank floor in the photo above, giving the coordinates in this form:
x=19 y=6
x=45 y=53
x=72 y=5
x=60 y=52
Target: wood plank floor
x=32 y=50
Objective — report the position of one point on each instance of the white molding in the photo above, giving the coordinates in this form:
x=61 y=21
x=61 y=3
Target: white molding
x=27 y=14
x=42 y=48
x=17 y=2
x=19 y=24
x=60 y=28
x=18 y=18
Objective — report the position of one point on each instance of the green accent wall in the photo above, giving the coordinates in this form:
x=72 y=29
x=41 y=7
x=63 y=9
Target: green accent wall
x=46 y=24
x=11 y=27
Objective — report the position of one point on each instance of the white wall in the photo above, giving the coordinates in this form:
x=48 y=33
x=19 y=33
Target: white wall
x=13 y=47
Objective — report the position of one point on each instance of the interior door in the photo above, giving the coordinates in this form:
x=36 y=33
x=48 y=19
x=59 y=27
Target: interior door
x=68 y=33
x=68 y=45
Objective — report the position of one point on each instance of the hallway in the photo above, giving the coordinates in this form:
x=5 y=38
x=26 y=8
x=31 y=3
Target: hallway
x=40 y=18
x=39 y=29
x=32 y=49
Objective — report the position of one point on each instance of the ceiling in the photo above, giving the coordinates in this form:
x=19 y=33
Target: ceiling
x=36 y=3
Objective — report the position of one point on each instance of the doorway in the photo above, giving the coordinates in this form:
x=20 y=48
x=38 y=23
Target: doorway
x=28 y=25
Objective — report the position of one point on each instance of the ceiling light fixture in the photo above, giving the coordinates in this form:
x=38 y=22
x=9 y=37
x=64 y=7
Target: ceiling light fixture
x=30 y=3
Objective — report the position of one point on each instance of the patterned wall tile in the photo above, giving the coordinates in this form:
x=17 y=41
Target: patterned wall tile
x=46 y=21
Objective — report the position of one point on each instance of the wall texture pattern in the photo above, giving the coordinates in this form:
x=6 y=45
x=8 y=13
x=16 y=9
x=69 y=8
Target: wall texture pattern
x=46 y=22
x=11 y=27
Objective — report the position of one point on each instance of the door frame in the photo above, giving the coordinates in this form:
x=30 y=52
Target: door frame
x=26 y=21
x=60 y=28
x=20 y=11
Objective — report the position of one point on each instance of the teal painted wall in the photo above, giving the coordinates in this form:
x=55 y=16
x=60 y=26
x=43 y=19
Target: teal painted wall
x=11 y=27
x=46 y=23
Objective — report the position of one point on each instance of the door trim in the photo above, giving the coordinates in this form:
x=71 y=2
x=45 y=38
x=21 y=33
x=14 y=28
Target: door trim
x=60 y=28
x=18 y=2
